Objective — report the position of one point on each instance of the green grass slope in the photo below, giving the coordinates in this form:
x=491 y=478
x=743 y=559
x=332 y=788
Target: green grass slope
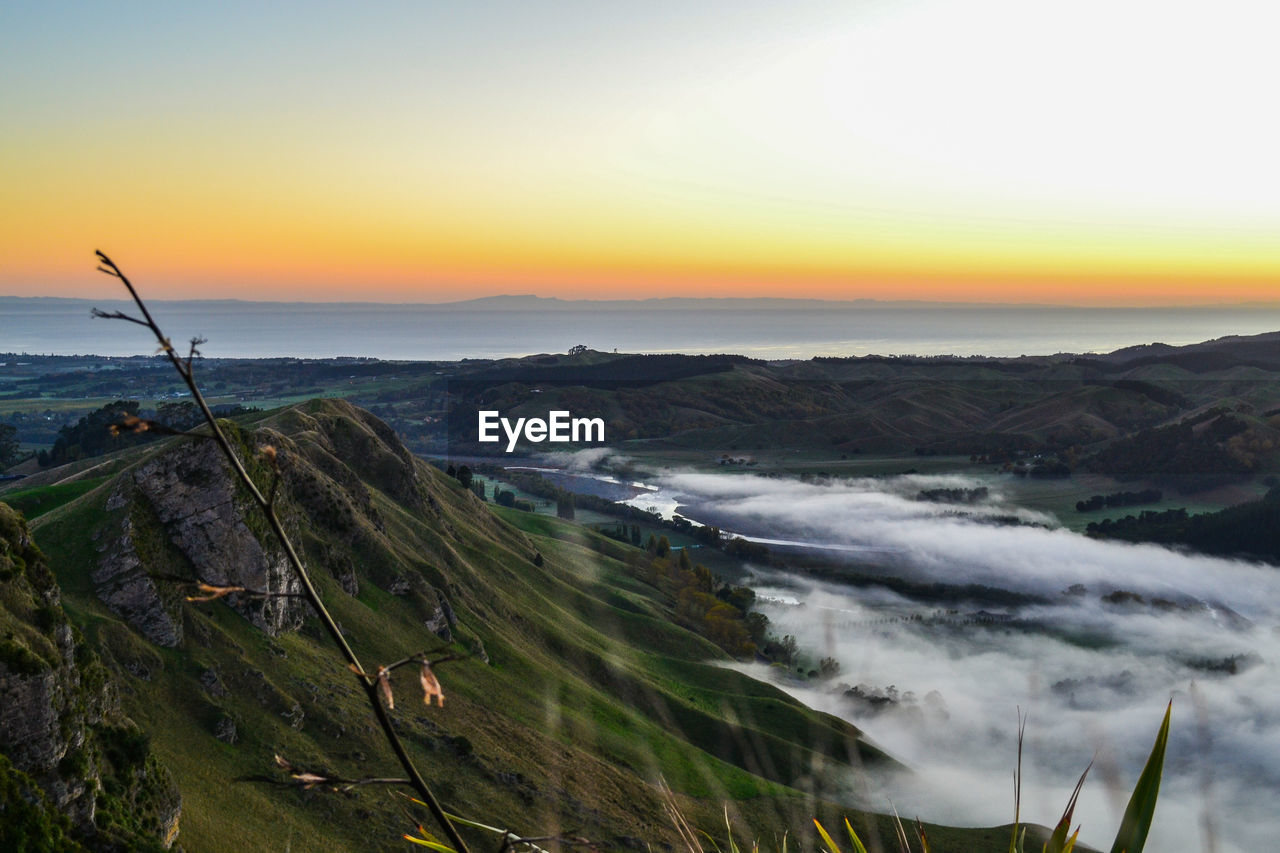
x=581 y=695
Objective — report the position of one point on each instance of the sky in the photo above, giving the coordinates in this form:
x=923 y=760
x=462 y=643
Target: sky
x=1089 y=152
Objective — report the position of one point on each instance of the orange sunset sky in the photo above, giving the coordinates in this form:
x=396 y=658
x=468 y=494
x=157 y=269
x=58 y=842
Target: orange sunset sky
x=1116 y=152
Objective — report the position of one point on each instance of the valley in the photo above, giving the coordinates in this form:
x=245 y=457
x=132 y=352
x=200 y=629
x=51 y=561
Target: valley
x=913 y=531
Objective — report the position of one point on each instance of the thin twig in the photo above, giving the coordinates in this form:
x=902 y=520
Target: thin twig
x=335 y=783
x=213 y=591
x=371 y=685
x=421 y=657
x=135 y=424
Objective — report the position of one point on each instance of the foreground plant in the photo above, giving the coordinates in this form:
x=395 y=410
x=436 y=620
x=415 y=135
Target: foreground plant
x=374 y=683
x=1134 y=826
x=1131 y=837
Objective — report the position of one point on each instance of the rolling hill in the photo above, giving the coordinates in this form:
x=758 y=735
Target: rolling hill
x=578 y=692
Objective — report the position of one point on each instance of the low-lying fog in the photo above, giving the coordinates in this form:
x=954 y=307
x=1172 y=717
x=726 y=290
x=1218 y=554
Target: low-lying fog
x=938 y=683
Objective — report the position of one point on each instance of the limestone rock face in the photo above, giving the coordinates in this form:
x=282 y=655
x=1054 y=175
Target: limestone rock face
x=185 y=517
x=59 y=711
x=41 y=719
x=124 y=586
x=33 y=710
x=182 y=513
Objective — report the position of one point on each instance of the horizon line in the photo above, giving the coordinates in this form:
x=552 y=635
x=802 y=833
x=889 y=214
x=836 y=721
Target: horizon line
x=550 y=301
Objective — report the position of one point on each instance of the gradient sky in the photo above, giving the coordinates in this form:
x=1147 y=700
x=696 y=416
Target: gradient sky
x=1089 y=152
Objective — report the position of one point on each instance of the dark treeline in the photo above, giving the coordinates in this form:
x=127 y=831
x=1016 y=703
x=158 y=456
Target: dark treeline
x=719 y=611
x=98 y=432
x=954 y=496
x=1191 y=454
x=1251 y=529
x=1118 y=499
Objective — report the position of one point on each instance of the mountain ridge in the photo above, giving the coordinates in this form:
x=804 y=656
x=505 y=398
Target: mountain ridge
x=530 y=301
x=406 y=558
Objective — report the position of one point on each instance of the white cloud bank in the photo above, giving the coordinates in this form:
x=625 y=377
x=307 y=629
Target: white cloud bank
x=1093 y=677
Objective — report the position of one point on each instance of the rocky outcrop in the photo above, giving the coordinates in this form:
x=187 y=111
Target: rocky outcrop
x=60 y=722
x=125 y=585
x=353 y=447
x=182 y=515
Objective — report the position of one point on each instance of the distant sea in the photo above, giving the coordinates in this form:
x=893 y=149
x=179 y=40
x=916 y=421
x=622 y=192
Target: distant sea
x=515 y=326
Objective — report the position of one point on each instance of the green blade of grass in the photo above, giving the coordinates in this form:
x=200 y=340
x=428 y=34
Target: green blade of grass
x=831 y=845
x=1015 y=845
x=733 y=845
x=1132 y=836
x=1058 y=842
x=432 y=845
x=853 y=838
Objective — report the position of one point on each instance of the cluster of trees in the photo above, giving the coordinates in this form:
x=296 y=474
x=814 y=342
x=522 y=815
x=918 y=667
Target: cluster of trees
x=565 y=500
x=1046 y=467
x=744 y=550
x=954 y=496
x=629 y=534
x=1250 y=529
x=1193 y=451
x=93 y=435
x=719 y=612
x=1118 y=499
x=8 y=445
x=507 y=498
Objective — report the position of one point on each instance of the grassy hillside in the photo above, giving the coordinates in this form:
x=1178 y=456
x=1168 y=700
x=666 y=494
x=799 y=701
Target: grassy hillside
x=581 y=692
x=1076 y=407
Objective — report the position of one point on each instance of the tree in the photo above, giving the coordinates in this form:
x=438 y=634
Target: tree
x=578 y=349
x=477 y=486
x=92 y=435
x=8 y=445
x=663 y=548
x=782 y=651
x=184 y=415
x=564 y=505
x=464 y=477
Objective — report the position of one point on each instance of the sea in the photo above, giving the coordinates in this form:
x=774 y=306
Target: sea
x=488 y=329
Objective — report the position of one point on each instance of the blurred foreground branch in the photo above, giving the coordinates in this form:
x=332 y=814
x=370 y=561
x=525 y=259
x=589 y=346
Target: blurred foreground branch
x=375 y=686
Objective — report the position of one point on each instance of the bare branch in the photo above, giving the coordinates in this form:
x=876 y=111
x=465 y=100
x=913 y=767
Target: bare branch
x=134 y=424
x=193 y=352
x=115 y=315
x=431 y=688
x=307 y=780
x=565 y=839
x=423 y=657
x=275 y=485
x=214 y=591
x=371 y=686
x=384 y=685
x=427 y=680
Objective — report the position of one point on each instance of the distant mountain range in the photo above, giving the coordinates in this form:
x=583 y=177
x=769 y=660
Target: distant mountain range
x=531 y=302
